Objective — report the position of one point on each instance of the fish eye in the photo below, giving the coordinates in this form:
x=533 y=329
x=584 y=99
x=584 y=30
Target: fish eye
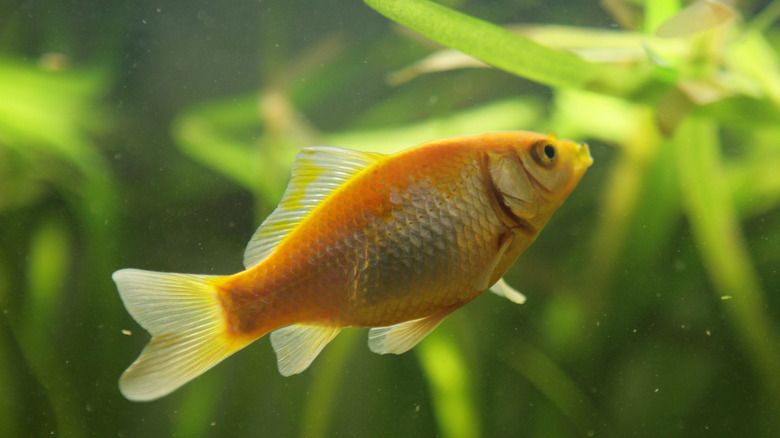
x=549 y=151
x=544 y=153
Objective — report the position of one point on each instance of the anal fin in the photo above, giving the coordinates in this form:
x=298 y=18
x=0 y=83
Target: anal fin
x=400 y=338
x=297 y=345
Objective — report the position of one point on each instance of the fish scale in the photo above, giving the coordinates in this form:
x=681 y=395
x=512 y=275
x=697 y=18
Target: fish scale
x=386 y=248
x=436 y=268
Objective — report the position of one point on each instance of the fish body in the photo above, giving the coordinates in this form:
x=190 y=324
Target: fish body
x=386 y=248
x=393 y=242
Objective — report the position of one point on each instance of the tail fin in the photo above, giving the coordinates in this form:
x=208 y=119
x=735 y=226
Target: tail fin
x=185 y=318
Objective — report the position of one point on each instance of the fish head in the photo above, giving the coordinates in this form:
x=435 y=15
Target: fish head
x=535 y=174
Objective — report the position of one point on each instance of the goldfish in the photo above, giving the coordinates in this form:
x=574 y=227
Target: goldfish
x=395 y=243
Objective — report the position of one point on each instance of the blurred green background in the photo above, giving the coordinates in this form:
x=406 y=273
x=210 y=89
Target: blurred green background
x=158 y=135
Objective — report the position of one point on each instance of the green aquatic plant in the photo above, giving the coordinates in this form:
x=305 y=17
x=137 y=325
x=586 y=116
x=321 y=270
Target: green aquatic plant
x=47 y=156
x=652 y=299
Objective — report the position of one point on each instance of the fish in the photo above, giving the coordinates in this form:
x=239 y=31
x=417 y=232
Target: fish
x=395 y=243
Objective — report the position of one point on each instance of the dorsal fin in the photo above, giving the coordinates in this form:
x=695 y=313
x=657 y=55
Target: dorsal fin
x=317 y=172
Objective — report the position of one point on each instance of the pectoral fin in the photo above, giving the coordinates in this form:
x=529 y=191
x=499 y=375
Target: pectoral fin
x=400 y=338
x=502 y=289
x=483 y=281
x=297 y=345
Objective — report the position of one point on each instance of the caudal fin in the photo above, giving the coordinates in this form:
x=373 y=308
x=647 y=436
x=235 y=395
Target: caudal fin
x=189 y=333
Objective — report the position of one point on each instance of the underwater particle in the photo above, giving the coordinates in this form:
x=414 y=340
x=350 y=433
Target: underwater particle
x=726 y=297
x=708 y=332
x=54 y=62
x=395 y=243
x=127 y=332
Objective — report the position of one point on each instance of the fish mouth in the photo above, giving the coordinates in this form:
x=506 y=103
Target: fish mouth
x=583 y=154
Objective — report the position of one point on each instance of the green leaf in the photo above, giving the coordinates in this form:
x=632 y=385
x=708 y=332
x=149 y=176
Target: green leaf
x=716 y=228
x=499 y=115
x=499 y=47
x=445 y=369
x=552 y=381
x=323 y=394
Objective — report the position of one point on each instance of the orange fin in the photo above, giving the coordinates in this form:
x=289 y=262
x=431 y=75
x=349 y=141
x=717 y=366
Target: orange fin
x=185 y=318
x=297 y=345
x=502 y=289
x=400 y=338
x=316 y=174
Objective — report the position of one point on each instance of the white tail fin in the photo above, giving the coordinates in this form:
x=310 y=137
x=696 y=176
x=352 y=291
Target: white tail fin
x=185 y=318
